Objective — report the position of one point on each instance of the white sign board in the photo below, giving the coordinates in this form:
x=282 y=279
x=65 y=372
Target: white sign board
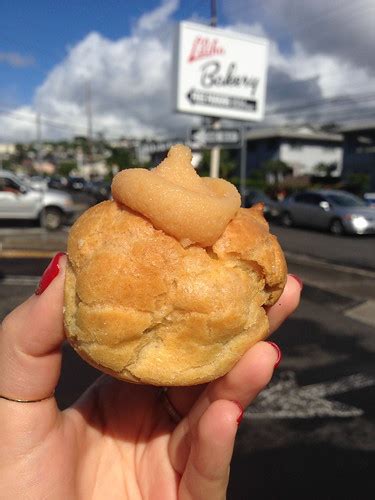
x=220 y=73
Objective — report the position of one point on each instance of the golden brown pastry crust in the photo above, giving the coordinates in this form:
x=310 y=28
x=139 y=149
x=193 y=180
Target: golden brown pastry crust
x=141 y=307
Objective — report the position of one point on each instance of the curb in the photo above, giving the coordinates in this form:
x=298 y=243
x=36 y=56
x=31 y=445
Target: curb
x=297 y=258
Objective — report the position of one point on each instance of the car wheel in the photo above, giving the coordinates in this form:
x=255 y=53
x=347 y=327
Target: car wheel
x=286 y=219
x=336 y=227
x=51 y=218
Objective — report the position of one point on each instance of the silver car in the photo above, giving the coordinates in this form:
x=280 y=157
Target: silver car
x=20 y=201
x=338 y=211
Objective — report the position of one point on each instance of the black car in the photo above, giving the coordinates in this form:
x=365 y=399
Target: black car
x=271 y=207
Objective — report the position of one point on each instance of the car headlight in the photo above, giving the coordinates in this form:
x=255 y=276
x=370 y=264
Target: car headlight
x=358 y=221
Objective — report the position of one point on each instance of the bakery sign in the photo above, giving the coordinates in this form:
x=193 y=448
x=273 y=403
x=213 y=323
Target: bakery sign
x=219 y=73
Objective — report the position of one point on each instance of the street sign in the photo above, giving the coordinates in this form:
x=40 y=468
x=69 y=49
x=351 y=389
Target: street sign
x=208 y=137
x=221 y=100
x=219 y=73
x=151 y=147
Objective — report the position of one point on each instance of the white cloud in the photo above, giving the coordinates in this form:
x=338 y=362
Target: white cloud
x=16 y=60
x=341 y=28
x=20 y=124
x=130 y=78
x=151 y=21
x=318 y=50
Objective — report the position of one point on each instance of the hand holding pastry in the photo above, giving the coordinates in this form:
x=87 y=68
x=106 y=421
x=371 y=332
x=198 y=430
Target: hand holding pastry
x=118 y=441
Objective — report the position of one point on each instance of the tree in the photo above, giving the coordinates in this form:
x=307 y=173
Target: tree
x=358 y=183
x=276 y=170
x=325 y=169
x=121 y=158
x=65 y=168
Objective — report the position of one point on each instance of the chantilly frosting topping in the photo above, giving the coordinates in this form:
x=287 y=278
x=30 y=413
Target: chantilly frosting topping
x=175 y=199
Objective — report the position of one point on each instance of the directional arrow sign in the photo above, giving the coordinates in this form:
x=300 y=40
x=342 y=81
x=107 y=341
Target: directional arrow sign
x=200 y=97
x=158 y=147
x=216 y=137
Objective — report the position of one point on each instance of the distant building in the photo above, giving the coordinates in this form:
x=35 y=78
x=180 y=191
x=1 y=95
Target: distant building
x=359 y=151
x=302 y=148
x=7 y=149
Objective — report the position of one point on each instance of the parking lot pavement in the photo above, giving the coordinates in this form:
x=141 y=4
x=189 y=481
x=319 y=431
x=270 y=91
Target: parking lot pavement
x=26 y=240
x=311 y=434
x=352 y=251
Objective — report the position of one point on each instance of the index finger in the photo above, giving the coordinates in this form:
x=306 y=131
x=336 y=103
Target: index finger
x=183 y=398
x=287 y=303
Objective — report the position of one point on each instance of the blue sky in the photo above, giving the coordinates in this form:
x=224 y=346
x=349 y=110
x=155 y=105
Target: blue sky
x=42 y=30
x=50 y=48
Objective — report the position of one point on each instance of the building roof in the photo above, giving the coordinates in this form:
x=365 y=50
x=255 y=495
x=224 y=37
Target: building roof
x=303 y=132
x=359 y=127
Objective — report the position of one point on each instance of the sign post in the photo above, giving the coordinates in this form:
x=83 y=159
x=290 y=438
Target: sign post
x=243 y=164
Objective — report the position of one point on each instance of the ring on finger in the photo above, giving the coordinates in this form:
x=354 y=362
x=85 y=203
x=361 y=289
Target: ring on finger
x=16 y=400
x=168 y=406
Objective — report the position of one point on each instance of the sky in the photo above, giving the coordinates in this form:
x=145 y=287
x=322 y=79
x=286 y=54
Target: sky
x=321 y=63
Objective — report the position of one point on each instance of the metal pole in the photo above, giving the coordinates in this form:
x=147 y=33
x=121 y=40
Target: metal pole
x=213 y=21
x=89 y=123
x=38 y=124
x=243 y=164
x=88 y=110
x=215 y=122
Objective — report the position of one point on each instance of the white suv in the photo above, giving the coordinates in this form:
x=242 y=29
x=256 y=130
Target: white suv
x=20 y=201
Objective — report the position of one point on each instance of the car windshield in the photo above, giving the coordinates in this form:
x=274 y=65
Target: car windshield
x=346 y=200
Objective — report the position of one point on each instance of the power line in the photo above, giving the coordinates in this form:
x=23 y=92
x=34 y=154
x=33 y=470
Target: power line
x=331 y=101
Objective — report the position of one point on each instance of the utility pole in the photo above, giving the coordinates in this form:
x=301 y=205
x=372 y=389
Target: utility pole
x=89 y=120
x=88 y=110
x=215 y=122
x=38 y=124
x=243 y=163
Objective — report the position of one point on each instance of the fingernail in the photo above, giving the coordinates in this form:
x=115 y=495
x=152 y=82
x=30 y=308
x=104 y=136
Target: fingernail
x=49 y=274
x=279 y=355
x=240 y=416
x=298 y=279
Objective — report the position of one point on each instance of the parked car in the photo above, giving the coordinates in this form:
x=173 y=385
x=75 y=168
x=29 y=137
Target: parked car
x=99 y=189
x=19 y=200
x=370 y=199
x=76 y=183
x=271 y=207
x=38 y=182
x=57 y=182
x=337 y=211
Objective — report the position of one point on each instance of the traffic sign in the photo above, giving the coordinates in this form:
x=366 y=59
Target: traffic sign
x=219 y=73
x=221 y=100
x=215 y=137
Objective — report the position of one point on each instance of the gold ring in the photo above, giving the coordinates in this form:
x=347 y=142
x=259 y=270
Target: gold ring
x=14 y=400
x=171 y=410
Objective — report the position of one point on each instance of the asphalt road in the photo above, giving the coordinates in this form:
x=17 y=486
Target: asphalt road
x=355 y=251
x=311 y=434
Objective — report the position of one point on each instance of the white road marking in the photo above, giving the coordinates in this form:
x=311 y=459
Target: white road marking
x=364 y=312
x=285 y=399
x=20 y=280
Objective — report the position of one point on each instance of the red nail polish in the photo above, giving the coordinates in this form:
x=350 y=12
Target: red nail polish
x=49 y=274
x=240 y=416
x=279 y=355
x=298 y=279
